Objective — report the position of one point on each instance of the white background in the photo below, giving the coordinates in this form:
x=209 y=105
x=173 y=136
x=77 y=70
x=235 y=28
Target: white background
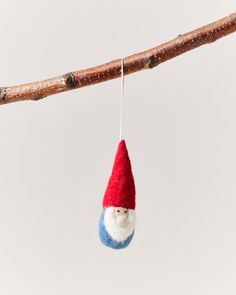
x=56 y=154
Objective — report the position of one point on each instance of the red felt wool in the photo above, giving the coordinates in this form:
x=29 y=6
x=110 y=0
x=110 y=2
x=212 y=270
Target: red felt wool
x=120 y=191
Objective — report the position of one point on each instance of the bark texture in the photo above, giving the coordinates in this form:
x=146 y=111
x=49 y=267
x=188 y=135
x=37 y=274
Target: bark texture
x=140 y=61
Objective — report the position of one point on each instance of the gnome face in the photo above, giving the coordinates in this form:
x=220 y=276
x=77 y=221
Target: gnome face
x=121 y=216
x=119 y=222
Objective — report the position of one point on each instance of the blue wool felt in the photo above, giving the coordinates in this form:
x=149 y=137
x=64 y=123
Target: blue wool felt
x=107 y=239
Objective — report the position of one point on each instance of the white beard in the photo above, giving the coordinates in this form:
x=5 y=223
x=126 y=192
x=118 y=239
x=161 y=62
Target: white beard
x=117 y=231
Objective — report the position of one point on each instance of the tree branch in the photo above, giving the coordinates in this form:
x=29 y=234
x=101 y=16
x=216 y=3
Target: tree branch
x=140 y=61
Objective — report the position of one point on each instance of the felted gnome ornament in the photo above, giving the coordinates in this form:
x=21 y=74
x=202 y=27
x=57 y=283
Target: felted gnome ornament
x=117 y=221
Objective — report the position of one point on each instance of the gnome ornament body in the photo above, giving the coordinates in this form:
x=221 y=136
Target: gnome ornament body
x=117 y=221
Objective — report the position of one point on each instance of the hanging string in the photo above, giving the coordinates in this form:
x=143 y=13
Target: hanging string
x=122 y=97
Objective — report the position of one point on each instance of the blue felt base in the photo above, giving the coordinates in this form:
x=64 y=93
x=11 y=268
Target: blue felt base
x=107 y=239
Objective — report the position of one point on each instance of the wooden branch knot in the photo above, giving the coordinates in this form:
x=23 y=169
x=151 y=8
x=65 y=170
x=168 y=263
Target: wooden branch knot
x=70 y=80
x=153 y=62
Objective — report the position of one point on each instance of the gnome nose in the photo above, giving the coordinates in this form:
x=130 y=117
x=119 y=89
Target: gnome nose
x=121 y=218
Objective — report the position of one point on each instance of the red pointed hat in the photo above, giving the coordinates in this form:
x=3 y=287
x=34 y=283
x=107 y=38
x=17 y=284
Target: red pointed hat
x=120 y=191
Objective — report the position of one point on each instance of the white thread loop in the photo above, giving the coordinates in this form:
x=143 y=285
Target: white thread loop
x=122 y=98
